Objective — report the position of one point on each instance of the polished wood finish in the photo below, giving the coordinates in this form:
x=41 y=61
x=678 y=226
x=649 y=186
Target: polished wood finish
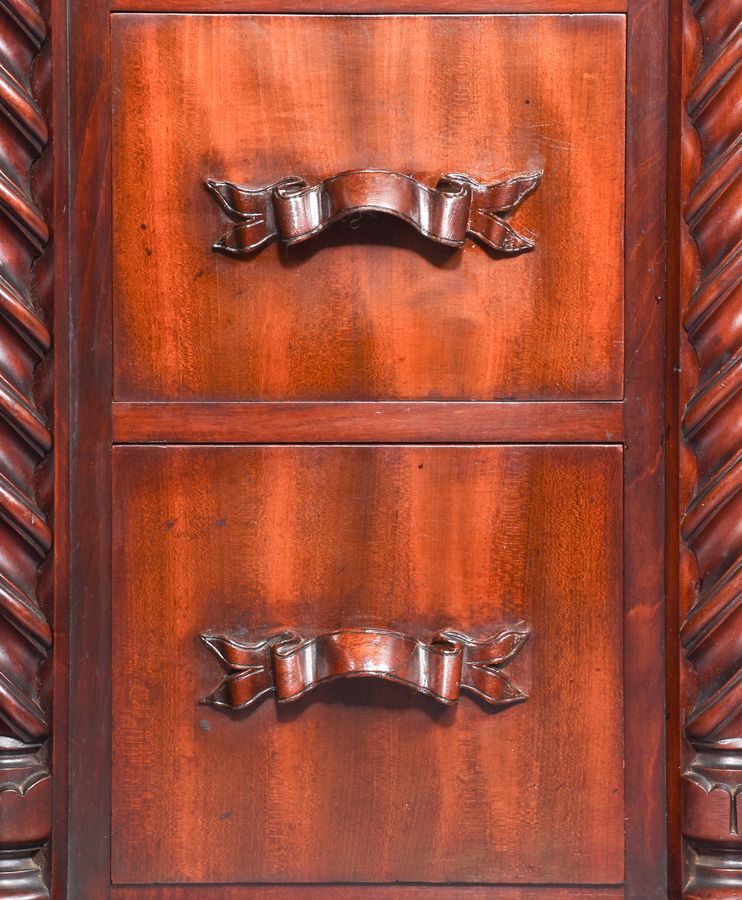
x=81 y=838
x=457 y=207
x=25 y=441
x=216 y=539
x=644 y=442
x=368 y=892
x=290 y=665
x=194 y=423
x=369 y=311
x=634 y=422
x=373 y=6
x=711 y=583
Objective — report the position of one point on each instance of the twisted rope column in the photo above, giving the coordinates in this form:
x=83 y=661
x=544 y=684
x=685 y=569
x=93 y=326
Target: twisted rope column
x=25 y=442
x=711 y=469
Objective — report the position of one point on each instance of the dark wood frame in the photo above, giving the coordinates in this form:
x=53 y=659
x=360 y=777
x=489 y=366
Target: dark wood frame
x=90 y=234
x=661 y=140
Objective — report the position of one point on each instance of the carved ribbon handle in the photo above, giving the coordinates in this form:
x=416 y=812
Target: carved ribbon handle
x=289 y=665
x=291 y=210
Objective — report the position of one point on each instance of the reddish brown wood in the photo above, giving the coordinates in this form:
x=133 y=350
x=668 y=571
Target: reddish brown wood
x=350 y=422
x=369 y=311
x=289 y=665
x=373 y=6
x=457 y=207
x=219 y=539
x=568 y=757
x=368 y=892
x=25 y=442
x=59 y=672
x=87 y=225
x=644 y=621
x=712 y=586
x=676 y=236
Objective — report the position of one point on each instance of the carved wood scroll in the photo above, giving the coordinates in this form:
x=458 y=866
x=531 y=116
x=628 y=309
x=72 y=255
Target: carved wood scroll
x=290 y=665
x=711 y=471
x=25 y=442
x=292 y=211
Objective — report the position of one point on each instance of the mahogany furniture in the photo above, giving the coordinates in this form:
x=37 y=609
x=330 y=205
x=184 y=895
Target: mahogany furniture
x=370 y=510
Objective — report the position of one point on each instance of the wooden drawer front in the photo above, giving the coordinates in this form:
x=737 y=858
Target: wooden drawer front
x=370 y=309
x=364 y=780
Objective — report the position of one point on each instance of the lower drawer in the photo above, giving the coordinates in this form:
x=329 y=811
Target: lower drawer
x=364 y=780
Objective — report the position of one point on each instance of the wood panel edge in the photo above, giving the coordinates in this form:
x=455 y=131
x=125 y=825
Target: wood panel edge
x=644 y=496
x=385 y=422
x=87 y=557
x=369 y=891
x=374 y=7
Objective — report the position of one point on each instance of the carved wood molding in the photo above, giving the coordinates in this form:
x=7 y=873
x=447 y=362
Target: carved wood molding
x=289 y=665
x=711 y=460
x=25 y=442
x=293 y=211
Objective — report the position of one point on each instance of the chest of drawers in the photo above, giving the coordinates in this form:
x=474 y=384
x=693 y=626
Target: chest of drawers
x=370 y=518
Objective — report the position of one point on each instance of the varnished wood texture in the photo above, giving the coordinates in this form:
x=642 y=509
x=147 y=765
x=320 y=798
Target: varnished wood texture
x=288 y=665
x=366 y=781
x=710 y=268
x=26 y=389
x=551 y=785
x=374 y=6
x=370 y=310
x=353 y=422
x=368 y=892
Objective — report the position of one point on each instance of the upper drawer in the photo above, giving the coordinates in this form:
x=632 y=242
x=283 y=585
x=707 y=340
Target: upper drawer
x=369 y=309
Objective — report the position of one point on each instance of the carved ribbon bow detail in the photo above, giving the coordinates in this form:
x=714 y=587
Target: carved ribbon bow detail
x=292 y=211
x=290 y=665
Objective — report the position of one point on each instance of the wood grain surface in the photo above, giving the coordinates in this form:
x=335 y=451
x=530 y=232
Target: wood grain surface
x=375 y=7
x=317 y=422
x=569 y=784
x=645 y=440
x=368 y=892
x=365 y=781
x=369 y=310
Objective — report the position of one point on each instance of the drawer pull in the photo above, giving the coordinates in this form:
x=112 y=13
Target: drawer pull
x=291 y=210
x=290 y=665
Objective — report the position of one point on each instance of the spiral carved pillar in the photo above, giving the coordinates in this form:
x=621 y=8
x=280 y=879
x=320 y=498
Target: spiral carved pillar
x=711 y=469
x=25 y=443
